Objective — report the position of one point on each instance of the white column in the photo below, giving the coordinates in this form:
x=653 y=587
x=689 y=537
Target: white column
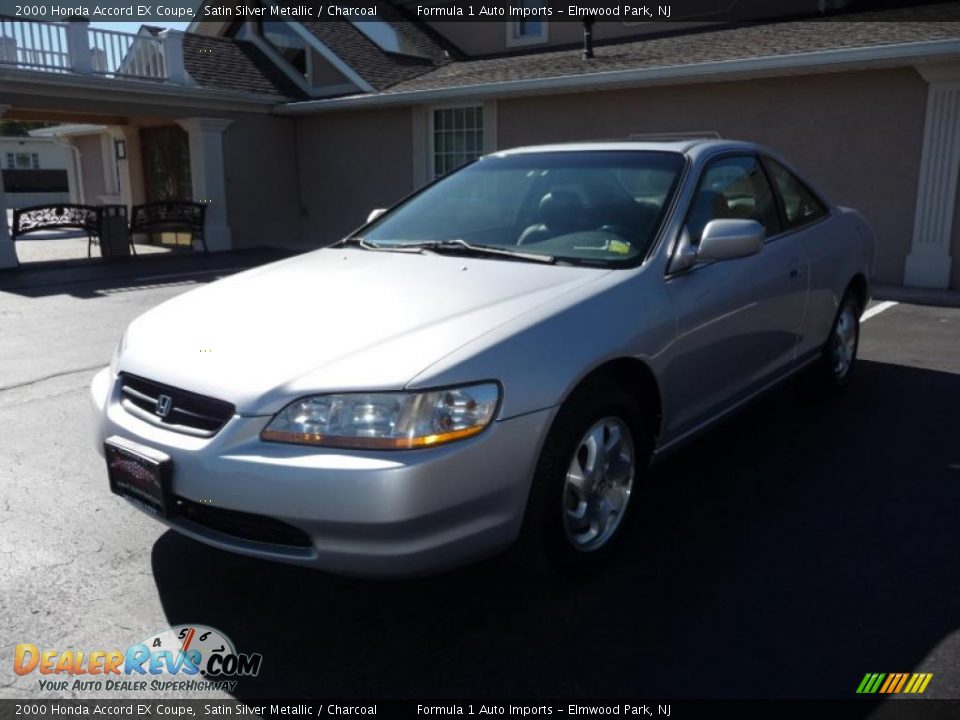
x=78 y=46
x=173 y=57
x=208 y=177
x=8 y=255
x=928 y=264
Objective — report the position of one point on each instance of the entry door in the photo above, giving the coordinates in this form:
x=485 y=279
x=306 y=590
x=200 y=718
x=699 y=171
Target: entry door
x=166 y=159
x=738 y=321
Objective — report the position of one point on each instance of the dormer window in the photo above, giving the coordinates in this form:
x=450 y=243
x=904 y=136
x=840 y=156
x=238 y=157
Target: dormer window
x=386 y=37
x=528 y=32
x=285 y=40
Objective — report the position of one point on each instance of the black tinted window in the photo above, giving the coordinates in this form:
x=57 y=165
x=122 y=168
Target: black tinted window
x=733 y=187
x=603 y=206
x=800 y=206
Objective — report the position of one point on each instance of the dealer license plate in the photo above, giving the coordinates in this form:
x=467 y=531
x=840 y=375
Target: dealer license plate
x=140 y=474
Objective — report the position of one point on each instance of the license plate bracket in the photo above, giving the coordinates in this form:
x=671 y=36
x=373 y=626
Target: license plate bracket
x=140 y=474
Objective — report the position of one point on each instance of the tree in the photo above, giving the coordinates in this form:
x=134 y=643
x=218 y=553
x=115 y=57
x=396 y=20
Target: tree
x=19 y=128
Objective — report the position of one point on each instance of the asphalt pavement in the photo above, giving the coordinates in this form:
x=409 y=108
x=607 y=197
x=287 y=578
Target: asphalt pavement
x=794 y=548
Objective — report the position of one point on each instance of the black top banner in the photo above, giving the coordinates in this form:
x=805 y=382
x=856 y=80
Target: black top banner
x=627 y=11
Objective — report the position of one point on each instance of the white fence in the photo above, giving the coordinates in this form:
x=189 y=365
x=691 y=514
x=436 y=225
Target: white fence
x=38 y=45
x=76 y=47
x=122 y=54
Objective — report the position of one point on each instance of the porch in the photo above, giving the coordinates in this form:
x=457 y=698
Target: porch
x=136 y=124
x=143 y=160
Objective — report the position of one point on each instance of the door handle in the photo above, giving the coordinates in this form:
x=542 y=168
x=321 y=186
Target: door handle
x=794 y=273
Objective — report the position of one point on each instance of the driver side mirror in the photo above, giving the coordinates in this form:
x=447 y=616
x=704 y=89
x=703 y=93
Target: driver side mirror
x=374 y=214
x=730 y=239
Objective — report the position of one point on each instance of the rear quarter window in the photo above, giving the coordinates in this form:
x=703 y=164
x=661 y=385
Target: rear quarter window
x=800 y=206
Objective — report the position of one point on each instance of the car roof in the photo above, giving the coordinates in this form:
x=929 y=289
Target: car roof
x=687 y=146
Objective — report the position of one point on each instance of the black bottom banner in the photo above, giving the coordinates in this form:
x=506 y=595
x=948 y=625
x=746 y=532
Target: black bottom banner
x=480 y=709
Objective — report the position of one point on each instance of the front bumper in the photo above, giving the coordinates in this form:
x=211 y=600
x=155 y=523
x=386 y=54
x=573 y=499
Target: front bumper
x=387 y=513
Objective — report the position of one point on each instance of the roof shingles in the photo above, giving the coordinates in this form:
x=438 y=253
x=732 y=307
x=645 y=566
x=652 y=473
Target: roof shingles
x=227 y=64
x=380 y=68
x=717 y=45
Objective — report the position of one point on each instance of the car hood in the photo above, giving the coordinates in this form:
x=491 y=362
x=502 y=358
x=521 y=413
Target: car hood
x=333 y=320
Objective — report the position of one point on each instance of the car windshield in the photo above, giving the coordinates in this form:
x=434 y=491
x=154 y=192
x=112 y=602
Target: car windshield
x=602 y=207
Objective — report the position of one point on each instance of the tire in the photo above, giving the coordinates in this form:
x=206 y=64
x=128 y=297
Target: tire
x=839 y=358
x=573 y=527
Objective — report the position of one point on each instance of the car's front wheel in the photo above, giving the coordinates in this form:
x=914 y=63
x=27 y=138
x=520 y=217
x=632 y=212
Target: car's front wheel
x=840 y=352
x=584 y=488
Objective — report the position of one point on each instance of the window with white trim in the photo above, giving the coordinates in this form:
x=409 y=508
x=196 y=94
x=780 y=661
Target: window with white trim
x=457 y=137
x=286 y=41
x=11 y=163
x=23 y=160
x=528 y=32
x=35 y=161
x=387 y=37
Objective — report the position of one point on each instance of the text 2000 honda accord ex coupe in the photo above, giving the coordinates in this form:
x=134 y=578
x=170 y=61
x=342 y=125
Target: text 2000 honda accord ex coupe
x=498 y=357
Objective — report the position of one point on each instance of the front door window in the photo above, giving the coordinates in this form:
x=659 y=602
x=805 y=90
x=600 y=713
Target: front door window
x=166 y=157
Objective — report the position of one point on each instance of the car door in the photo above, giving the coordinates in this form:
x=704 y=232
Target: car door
x=808 y=223
x=738 y=320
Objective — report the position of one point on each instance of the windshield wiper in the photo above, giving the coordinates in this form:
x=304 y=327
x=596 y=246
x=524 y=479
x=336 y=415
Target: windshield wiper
x=364 y=244
x=451 y=247
x=462 y=247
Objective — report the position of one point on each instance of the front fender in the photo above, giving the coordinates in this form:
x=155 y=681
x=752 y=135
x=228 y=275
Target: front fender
x=542 y=356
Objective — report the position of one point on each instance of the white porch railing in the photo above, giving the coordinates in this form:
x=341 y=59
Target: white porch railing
x=122 y=54
x=37 y=45
x=75 y=47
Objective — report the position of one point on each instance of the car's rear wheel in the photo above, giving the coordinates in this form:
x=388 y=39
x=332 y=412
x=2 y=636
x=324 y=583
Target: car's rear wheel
x=584 y=487
x=839 y=357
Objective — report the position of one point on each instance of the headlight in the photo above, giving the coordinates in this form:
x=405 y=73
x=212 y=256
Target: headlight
x=386 y=421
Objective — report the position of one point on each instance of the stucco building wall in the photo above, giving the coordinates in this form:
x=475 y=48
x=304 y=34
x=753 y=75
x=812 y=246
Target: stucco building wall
x=91 y=165
x=856 y=136
x=350 y=163
x=262 y=191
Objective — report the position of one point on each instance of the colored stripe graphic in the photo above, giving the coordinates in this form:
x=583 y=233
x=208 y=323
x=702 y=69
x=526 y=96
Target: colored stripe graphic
x=892 y=678
x=894 y=683
x=903 y=680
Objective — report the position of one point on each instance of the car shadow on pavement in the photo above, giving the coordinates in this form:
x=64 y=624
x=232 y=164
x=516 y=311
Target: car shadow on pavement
x=786 y=553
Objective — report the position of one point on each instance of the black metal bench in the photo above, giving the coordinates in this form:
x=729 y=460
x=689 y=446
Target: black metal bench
x=86 y=218
x=170 y=216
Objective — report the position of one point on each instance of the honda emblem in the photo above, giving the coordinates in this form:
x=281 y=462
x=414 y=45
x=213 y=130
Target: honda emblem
x=164 y=404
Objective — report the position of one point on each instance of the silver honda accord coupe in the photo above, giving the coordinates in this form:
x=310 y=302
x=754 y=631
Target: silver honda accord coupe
x=493 y=362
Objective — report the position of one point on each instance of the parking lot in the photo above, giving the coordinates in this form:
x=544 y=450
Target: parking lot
x=788 y=552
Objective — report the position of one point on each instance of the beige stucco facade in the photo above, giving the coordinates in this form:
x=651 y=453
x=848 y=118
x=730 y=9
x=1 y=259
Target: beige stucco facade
x=262 y=187
x=856 y=135
x=350 y=163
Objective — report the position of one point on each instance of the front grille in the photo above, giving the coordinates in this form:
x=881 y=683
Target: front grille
x=247 y=526
x=184 y=412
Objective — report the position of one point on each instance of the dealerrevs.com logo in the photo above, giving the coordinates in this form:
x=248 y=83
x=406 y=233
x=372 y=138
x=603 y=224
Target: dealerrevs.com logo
x=184 y=657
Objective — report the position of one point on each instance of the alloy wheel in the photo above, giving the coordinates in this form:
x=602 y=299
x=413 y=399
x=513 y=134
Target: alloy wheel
x=844 y=341
x=598 y=484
